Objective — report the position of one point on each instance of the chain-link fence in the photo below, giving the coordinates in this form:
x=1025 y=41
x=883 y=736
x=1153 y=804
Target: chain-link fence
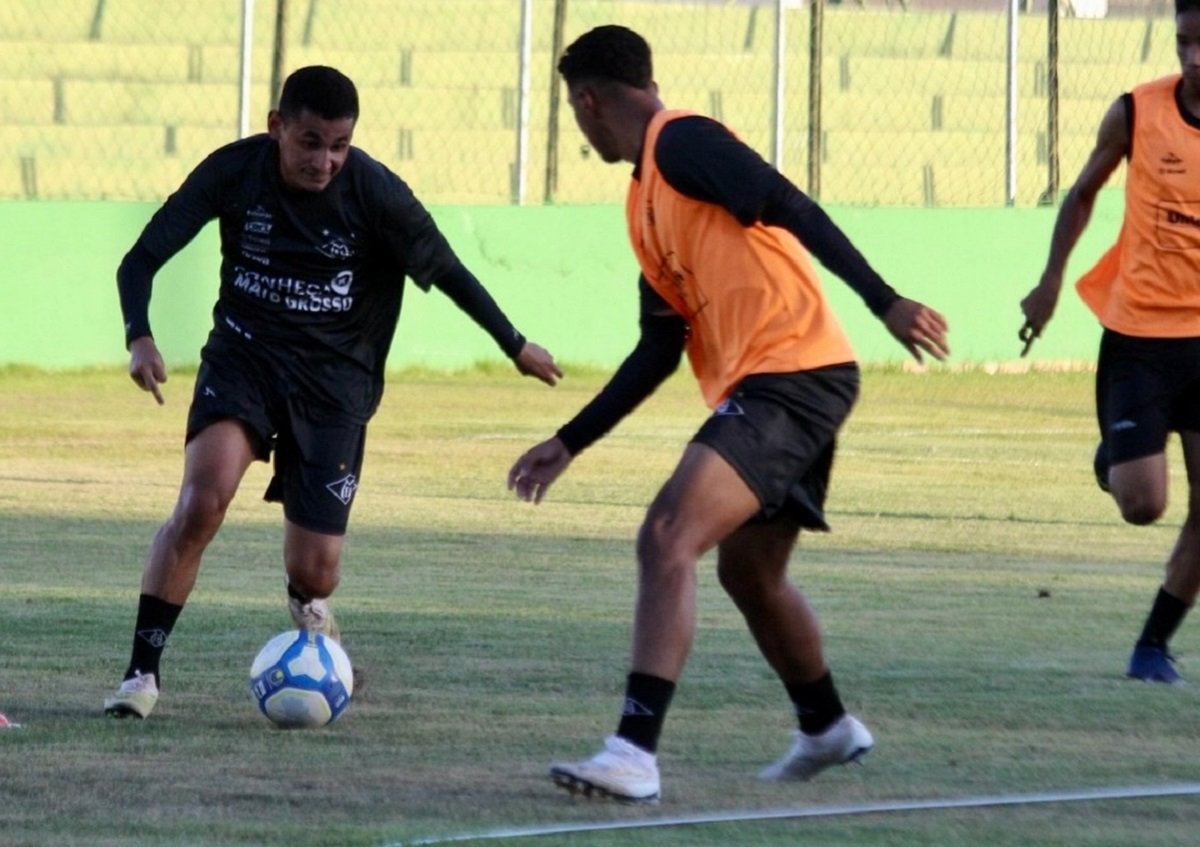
x=924 y=102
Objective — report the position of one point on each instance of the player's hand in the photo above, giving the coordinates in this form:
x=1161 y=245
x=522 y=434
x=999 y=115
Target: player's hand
x=1038 y=308
x=146 y=366
x=534 y=360
x=537 y=468
x=918 y=328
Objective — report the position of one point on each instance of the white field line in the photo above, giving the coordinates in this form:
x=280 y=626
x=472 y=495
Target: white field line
x=882 y=807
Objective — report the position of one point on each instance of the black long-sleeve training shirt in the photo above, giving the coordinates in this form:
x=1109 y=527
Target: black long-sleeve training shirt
x=312 y=280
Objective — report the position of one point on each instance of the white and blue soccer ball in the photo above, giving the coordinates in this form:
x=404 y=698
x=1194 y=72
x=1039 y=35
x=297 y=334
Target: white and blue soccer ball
x=301 y=680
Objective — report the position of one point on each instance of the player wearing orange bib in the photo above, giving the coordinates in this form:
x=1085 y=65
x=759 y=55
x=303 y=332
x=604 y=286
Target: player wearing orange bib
x=1145 y=291
x=717 y=233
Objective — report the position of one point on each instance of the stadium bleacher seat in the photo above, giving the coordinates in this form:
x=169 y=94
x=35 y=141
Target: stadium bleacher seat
x=35 y=60
x=193 y=103
x=156 y=81
x=11 y=184
x=64 y=177
x=24 y=20
x=936 y=75
x=871 y=32
x=181 y=22
x=865 y=185
x=27 y=101
x=146 y=140
x=475 y=25
x=901 y=112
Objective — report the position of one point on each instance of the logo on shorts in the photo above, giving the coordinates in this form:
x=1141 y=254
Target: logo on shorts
x=729 y=407
x=1122 y=425
x=344 y=488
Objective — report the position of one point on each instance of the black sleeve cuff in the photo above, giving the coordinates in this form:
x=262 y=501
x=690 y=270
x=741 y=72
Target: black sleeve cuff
x=461 y=286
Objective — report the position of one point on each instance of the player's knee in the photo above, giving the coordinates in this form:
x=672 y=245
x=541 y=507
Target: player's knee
x=661 y=551
x=198 y=516
x=319 y=582
x=1139 y=509
x=314 y=572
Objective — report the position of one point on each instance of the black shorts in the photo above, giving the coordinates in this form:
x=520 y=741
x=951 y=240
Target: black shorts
x=318 y=449
x=1145 y=389
x=779 y=432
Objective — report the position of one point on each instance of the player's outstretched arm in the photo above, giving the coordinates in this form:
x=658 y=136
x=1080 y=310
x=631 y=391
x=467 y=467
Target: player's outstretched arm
x=918 y=328
x=1112 y=145
x=537 y=468
x=534 y=360
x=146 y=366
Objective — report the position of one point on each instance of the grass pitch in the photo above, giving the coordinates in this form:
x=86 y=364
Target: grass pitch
x=979 y=597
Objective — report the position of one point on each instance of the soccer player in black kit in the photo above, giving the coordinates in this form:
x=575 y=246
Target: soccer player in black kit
x=316 y=240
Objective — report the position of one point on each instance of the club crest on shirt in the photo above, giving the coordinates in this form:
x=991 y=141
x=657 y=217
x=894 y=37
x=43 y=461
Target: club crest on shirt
x=335 y=247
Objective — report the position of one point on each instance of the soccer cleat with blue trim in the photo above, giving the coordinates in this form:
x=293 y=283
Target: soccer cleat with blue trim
x=1153 y=664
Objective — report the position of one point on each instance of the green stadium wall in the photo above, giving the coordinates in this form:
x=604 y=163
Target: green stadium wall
x=565 y=275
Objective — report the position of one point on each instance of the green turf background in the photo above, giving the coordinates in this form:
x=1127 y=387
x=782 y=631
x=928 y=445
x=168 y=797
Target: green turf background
x=565 y=275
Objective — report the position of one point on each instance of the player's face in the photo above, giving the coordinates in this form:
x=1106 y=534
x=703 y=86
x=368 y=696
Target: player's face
x=311 y=149
x=1187 y=48
x=584 y=105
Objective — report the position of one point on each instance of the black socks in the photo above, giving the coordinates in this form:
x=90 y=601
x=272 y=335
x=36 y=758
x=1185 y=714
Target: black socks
x=647 y=699
x=1165 y=616
x=155 y=620
x=817 y=704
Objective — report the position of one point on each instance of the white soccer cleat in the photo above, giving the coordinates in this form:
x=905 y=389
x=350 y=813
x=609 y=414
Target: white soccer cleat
x=846 y=741
x=314 y=616
x=621 y=771
x=135 y=698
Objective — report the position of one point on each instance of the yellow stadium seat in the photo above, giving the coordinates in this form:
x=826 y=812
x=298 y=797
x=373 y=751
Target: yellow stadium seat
x=901 y=112
x=426 y=24
x=38 y=19
x=419 y=108
x=939 y=75
x=192 y=143
x=679 y=27
x=11 y=184
x=1083 y=115
x=871 y=32
x=194 y=103
x=865 y=185
x=94 y=60
x=365 y=67
x=735 y=70
x=107 y=178
x=1102 y=81
x=182 y=22
x=1108 y=41
x=27 y=101
x=223 y=63
x=123 y=141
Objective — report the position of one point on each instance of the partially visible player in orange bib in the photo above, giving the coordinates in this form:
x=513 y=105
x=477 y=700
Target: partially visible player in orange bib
x=718 y=234
x=1145 y=292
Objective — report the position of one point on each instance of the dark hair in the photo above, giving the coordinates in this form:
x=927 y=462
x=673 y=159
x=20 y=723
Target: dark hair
x=1182 y=6
x=326 y=92
x=608 y=52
